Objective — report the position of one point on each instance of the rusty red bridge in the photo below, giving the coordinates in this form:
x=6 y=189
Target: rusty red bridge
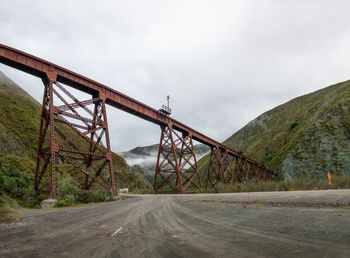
x=74 y=137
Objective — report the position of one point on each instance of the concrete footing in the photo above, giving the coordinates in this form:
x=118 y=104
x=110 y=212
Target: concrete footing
x=48 y=203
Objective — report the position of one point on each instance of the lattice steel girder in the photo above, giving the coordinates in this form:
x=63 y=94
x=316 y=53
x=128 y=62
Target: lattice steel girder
x=244 y=172
x=214 y=169
x=74 y=135
x=176 y=168
x=219 y=168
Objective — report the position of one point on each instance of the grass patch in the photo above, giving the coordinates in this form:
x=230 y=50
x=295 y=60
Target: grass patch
x=148 y=189
x=80 y=204
x=108 y=200
x=296 y=184
x=10 y=202
x=6 y=214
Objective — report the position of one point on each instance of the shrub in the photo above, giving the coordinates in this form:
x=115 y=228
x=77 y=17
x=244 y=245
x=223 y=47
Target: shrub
x=68 y=191
x=148 y=189
x=68 y=200
x=96 y=193
x=61 y=203
x=13 y=182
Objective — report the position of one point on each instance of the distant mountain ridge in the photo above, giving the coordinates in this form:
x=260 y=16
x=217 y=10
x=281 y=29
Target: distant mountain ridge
x=143 y=159
x=307 y=136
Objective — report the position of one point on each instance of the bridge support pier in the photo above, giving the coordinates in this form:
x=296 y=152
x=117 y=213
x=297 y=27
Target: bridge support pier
x=72 y=139
x=219 y=168
x=176 y=168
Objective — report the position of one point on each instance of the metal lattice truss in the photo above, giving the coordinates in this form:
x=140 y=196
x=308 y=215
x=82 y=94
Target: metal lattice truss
x=245 y=172
x=219 y=167
x=176 y=168
x=73 y=138
x=227 y=169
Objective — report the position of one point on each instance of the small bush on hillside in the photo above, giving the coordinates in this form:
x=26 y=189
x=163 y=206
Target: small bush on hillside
x=68 y=200
x=145 y=190
x=67 y=186
x=6 y=215
x=16 y=180
x=96 y=193
x=13 y=182
x=68 y=191
x=342 y=181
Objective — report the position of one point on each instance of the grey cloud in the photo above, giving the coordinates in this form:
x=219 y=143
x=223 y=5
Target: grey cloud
x=222 y=62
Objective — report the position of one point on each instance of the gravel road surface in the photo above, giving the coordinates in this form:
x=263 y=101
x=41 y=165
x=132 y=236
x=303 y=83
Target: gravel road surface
x=274 y=224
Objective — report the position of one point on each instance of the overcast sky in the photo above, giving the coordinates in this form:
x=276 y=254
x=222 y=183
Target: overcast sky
x=223 y=63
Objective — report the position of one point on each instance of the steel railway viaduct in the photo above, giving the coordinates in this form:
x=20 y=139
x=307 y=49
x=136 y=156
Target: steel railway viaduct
x=74 y=133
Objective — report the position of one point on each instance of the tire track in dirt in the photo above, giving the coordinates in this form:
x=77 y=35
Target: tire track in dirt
x=179 y=226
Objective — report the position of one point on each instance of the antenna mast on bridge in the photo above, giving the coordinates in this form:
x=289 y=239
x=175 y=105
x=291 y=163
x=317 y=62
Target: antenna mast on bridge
x=165 y=110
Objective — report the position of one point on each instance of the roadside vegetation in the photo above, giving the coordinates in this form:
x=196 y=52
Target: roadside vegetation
x=6 y=215
x=71 y=193
x=4 y=212
x=17 y=178
x=295 y=184
x=7 y=210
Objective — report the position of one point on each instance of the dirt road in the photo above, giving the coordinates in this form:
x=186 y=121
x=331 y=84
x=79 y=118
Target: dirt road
x=220 y=225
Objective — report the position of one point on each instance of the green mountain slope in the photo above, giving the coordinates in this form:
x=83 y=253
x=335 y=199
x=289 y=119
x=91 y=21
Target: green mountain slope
x=307 y=136
x=19 y=120
x=19 y=127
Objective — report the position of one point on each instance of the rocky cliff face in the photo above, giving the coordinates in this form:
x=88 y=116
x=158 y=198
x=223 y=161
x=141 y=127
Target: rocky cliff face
x=307 y=136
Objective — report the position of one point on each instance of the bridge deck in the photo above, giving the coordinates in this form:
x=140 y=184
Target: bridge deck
x=39 y=68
